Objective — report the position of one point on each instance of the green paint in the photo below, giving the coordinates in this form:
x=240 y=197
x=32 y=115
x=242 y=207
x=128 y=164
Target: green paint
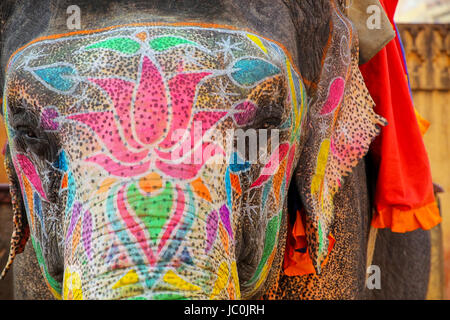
x=52 y=282
x=124 y=45
x=153 y=211
x=137 y=298
x=164 y=43
x=169 y=296
x=269 y=244
x=320 y=238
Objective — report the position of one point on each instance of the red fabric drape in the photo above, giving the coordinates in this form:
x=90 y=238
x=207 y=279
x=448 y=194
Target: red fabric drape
x=297 y=261
x=404 y=199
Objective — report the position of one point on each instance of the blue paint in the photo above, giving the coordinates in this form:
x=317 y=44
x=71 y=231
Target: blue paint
x=121 y=231
x=37 y=204
x=288 y=123
x=190 y=215
x=237 y=164
x=112 y=253
x=71 y=191
x=252 y=71
x=61 y=163
x=267 y=188
x=186 y=257
x=277 y=49
x=298 y=90
x=56 y=77
x=228 y=187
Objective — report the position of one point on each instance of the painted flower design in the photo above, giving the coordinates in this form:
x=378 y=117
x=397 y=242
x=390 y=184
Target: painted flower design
x=72 y=285
x=152 y=123
x=153 y=133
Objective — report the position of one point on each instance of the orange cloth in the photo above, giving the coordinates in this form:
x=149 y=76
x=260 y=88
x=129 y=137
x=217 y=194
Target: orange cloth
x=424 y=125
x=404 y=199
x=297 y=261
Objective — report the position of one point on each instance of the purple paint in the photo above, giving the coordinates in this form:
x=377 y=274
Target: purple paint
x=212 y=224
x=225 y=217
x=87 y=233
x=47 y=119
x=75 y=215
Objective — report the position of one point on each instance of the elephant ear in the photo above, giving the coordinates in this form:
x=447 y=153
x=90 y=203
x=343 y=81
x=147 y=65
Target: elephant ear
x=342 y=124
x=21 y=231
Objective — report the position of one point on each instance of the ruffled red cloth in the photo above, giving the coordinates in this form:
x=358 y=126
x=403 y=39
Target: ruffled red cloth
x=404 y=198
x=297 y=260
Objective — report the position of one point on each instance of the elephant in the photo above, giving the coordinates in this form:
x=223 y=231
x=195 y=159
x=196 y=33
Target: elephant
x=123 y=197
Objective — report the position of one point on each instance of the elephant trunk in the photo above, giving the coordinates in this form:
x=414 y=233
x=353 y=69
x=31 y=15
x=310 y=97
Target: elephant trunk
x=149 y=239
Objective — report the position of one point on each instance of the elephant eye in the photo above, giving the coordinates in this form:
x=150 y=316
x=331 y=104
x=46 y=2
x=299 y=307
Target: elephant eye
x=24 y=122
x=270 y=123
x=269 y=117
x=29 y=138
x=26 y=132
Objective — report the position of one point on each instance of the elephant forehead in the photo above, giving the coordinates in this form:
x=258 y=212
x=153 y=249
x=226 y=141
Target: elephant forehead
x=112 y=63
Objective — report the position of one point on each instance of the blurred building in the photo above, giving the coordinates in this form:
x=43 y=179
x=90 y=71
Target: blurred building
x=423 y=11
x=425 y=32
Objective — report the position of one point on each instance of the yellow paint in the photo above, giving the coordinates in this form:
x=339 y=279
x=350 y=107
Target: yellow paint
x=106 y=185
x=130 y=278
x=258 y=42
x=235 y=277
x=172 y=278
x=222 y=280
x=151 y=183
x=322 y=160
x=265 y=271
x=231 y=291
x=294 y=94
x=55 y=293
x=302 y=104
x=295 y=98
x=72 y=285
x=3 y=141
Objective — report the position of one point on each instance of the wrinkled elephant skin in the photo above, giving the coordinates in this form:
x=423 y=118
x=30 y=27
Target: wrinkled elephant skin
x=151 y=154
x=123 y=105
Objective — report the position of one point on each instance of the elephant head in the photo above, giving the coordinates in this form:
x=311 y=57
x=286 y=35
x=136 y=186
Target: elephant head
x=153 y=159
